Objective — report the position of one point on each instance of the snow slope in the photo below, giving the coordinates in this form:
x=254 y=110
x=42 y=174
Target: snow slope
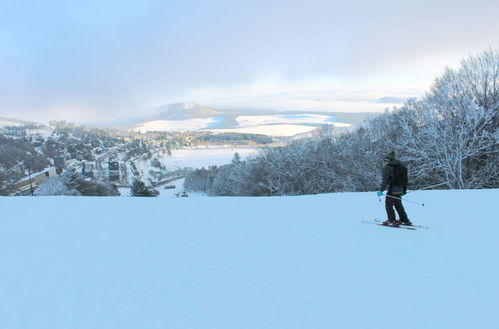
x=281 y=262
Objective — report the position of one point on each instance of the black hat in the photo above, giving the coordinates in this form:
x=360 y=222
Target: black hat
x=390 y=156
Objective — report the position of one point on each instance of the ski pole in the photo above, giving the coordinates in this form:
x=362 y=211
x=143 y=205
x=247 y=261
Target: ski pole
x=428 y=187
x=410 y=201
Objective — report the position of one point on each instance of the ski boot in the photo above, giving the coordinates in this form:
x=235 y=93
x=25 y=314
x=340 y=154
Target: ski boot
x=392 y=222
x=406 y=222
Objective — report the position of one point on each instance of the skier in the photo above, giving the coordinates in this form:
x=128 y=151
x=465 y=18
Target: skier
x=395 y=182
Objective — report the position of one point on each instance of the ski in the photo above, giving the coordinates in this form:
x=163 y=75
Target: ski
x=412 y=225
x=400 y=227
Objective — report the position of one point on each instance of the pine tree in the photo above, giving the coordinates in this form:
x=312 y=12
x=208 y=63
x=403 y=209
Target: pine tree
x=140 y=189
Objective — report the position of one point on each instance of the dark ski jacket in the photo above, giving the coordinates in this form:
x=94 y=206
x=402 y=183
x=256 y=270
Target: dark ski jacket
x=387 y=183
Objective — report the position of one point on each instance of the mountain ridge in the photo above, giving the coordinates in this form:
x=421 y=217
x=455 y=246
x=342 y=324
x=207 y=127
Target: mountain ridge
x=219 y=118
x=205 y=117
x=184 y=111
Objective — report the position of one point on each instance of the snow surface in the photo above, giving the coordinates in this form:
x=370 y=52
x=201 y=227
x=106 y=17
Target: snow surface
x=277 y=262
x=271 y=125
x=175 y=125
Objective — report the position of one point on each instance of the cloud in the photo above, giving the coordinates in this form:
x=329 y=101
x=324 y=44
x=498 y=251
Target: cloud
x=117 y=58
x=325 y=95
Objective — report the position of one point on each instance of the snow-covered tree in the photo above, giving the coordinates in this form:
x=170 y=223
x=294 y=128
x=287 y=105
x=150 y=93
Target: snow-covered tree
x=72 y=183
x=139 y=188
x=450 y=135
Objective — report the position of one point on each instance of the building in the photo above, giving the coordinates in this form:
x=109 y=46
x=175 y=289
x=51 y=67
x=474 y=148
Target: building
x=60 y=163
x=114 y=168
x=33 y=181
x=87 y=169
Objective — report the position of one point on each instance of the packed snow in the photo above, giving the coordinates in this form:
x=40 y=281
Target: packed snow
x=275 y=262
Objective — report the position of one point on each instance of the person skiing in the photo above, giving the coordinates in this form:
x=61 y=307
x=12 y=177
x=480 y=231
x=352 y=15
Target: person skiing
x=395 y=182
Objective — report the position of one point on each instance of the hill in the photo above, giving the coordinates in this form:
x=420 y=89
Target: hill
x=281 y=262
x=195 y=117
x=4 y=122
x=184 y=111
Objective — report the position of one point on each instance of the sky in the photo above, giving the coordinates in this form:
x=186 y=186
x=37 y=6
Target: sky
x=88 y=61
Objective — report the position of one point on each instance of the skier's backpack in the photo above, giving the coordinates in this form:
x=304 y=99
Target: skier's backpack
x=400 y=177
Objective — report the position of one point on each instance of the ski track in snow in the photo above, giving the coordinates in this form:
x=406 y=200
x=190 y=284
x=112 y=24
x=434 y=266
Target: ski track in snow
x=275 y=262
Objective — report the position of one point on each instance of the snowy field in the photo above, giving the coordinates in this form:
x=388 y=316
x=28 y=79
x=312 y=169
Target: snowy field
x=271 y=125
x=198 y=157
x=281 y=262
x=174 y=125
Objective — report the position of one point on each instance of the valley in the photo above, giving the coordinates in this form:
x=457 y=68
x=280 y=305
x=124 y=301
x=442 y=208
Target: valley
x=172 y=141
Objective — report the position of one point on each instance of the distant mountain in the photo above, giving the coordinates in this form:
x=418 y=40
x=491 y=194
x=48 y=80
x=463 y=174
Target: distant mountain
x=195 y=117
x=184 y=111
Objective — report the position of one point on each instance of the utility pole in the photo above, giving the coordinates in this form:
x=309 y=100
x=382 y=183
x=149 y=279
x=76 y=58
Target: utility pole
x=30 y=183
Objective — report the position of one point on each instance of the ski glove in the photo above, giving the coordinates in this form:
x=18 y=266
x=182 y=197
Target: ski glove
x=380 y=193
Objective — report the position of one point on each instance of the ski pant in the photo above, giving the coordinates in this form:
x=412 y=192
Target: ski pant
x=390 y=203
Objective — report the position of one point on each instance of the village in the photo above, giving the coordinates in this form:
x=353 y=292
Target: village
x=115 y=156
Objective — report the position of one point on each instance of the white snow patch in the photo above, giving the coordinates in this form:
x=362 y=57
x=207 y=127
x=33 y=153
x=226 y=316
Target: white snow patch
x=271 y=125
x=174 y=125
